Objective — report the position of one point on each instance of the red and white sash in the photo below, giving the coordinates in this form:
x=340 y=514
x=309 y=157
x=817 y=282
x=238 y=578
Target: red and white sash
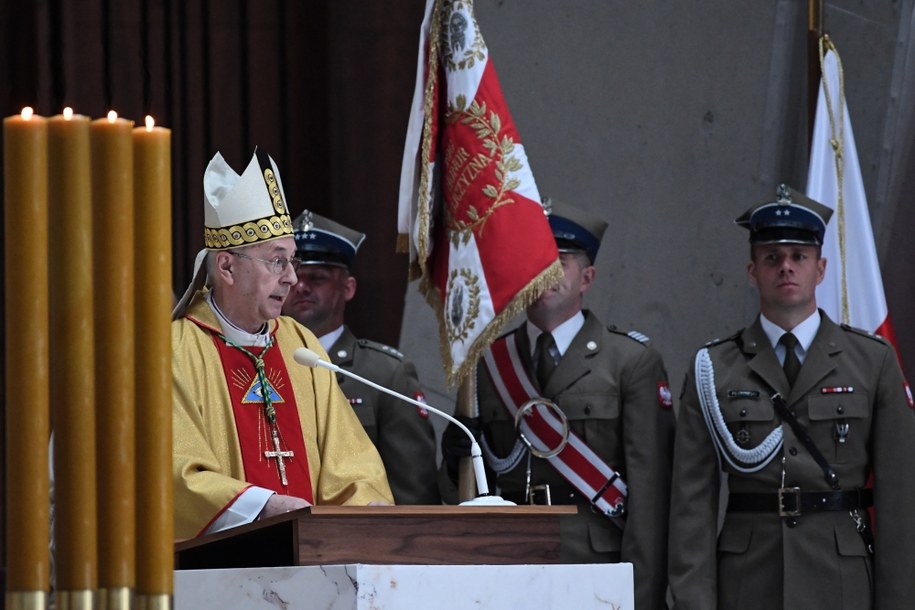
x=577 y=462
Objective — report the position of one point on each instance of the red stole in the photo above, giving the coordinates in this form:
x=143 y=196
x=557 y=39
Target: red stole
x=254 y=435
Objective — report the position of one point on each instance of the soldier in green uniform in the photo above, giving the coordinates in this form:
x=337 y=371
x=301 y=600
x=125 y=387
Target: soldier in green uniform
x=611 y=388
x=795 y=413
x=402 y=432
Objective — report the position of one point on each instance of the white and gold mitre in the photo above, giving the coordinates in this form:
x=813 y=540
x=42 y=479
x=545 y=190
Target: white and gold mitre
x=244 y=209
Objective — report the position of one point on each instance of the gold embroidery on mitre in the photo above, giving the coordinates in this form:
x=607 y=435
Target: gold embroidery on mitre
x=274 y=189
x=254 y=231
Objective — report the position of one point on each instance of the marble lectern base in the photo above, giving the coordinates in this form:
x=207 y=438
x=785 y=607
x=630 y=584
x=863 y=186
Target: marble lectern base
x=380 y=587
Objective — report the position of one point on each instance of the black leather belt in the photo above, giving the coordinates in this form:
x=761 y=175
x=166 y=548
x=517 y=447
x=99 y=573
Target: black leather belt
x=791 y=501
x=546 y=495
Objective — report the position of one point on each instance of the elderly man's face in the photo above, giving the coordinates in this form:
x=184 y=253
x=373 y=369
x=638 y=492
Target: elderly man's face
x=256 y=293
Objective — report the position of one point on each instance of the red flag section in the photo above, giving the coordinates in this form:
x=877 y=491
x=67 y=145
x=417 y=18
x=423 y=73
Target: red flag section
x=469 y=206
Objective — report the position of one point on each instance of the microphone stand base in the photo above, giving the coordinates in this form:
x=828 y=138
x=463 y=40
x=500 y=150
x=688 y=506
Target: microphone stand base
x=488 y=501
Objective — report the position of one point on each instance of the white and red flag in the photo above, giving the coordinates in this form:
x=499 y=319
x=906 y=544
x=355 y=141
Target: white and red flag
x=469 y=207
x=852 y=291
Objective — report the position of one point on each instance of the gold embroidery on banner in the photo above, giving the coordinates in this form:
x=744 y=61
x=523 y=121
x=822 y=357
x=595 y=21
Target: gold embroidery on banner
x=458 y=55
x=456 y=372
x=467 y=166
x=462 y=311
x=426 y=180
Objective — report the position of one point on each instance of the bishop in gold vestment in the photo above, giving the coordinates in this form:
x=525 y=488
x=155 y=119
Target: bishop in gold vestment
x=208 y=471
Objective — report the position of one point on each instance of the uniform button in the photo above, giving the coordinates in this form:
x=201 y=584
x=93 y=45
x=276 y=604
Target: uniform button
x=743 y=412
x=791 y=522
x=840 y=410
x=793 y=451
x=588 y=410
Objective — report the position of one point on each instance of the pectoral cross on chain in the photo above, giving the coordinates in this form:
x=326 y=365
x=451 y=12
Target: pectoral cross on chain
x=279 y=455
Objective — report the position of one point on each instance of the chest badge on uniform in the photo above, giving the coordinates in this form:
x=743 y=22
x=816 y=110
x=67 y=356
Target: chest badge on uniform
x=591 y=345
x=841 y=389
x=665 y=398
x=743 y=435
x=341 y=353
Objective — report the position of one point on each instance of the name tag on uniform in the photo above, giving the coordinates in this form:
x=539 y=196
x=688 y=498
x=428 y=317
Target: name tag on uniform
x=743 y=394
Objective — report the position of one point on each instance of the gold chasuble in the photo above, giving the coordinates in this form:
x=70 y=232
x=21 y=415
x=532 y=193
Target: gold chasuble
x=224 y=441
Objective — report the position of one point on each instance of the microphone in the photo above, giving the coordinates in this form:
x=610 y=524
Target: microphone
x=310 y=358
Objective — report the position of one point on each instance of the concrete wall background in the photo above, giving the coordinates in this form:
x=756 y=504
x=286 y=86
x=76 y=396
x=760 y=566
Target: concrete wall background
x=669 y=119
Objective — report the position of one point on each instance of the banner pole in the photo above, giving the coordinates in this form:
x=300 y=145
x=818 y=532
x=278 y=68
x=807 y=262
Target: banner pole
x=467 y=489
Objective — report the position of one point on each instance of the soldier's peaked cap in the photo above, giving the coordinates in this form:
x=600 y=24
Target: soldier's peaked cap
x=793 y=218
x=321 y=241
x=574 y=229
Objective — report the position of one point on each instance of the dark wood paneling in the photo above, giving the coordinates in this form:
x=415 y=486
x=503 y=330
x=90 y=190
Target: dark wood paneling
x=322 y=86
x=369 y=117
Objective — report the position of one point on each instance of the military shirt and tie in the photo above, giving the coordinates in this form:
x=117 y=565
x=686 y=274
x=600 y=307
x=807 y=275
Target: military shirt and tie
x=796 y=424
x=789 y=538
x=613 y=389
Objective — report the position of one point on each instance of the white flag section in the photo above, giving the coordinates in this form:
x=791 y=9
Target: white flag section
x=852 y=291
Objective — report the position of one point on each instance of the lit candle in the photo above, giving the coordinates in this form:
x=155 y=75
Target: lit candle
x=153 y=214
x=25 y=205
x=72 y=353
x=112 y=202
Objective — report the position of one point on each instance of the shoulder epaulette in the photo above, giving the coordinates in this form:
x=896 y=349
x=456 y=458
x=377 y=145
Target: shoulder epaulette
x=380 y=347
x=632 y=334
x=733 y=337
x=864 y=333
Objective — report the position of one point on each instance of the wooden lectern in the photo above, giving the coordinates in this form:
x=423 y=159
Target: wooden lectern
x=427 y=535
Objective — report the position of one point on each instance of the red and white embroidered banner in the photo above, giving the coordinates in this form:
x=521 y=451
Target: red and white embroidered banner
x=469 y=206
x=852 y=291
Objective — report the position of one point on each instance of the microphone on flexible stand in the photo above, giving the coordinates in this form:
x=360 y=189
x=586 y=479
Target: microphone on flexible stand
x=310 y=358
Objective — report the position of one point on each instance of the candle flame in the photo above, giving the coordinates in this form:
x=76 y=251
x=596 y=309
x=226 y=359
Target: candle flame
x=112 y=116
x=150 y=122
x=27 y=113
x=68 y=113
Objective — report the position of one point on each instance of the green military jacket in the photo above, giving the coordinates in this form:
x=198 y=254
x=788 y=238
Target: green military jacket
x=401 y=431
x=816 y=560
x=613 y=388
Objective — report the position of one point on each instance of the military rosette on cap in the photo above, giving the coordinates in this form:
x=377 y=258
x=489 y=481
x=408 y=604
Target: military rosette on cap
x=245 y=209
x=469 y=207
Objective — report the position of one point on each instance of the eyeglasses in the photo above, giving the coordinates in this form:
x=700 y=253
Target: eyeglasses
x=276 y=265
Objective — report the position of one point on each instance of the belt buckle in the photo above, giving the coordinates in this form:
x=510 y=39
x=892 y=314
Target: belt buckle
x=540 y=492
x=789 y=492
